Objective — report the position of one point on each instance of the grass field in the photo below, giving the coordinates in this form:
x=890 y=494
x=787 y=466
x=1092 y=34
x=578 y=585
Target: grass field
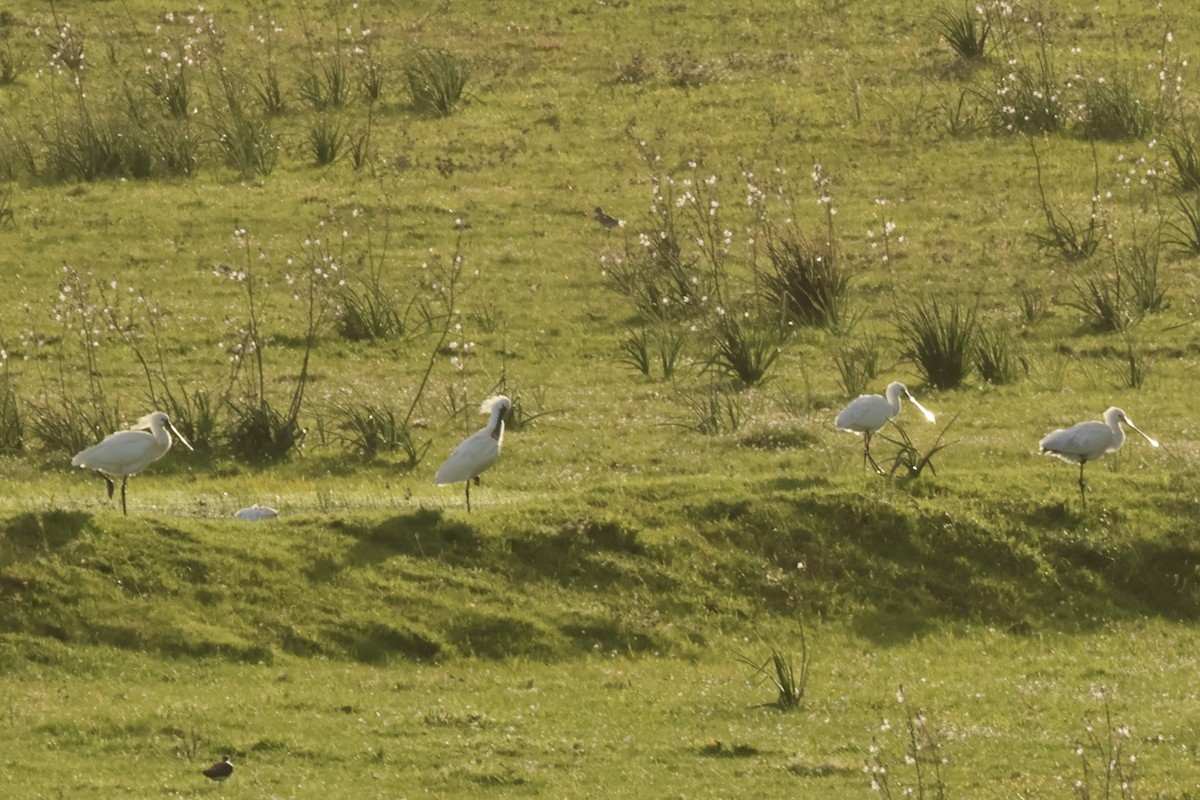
x=318 y=236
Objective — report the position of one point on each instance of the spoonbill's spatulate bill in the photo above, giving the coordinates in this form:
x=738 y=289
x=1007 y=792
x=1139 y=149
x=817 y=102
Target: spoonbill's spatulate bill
x=126 y=453
x=1087 y=441
x=479 y=451
x=867 y=413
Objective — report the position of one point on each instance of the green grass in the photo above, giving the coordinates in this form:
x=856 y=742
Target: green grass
x=602 y=724
x=577 y=632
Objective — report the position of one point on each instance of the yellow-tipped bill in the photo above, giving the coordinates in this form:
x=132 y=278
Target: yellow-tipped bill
x=928 y=414
x=1153 y=442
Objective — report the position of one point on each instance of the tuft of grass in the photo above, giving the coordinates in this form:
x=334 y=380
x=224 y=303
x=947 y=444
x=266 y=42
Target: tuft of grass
x=1113 y=110
x=1101 y=298
x=961 y=113
x=941 y=340
x=688 y=71
x=1074 y=240
x=259 y=433
x=371 y=82
x=714 y=409
x=1028 y=99
x=659 y=281
x=806 y=281
x=637 y=70
x=368 y=311
x=995 y=355
x=1147 y=293
x=660 y=345
x=326 y=86
x=1187 y=229
x=12 y=63
x=635 y=349
x=966 y=30
x=7 y=216
x=172 y=88
x=86 y=150
x=437 y=81
x=195 y=415
x=909 y=460
x=746 y=346
x=858 y=366
x=1185 y=175
x=270 y=93
x=247 y=142
x=487 y=317
x=1133 y=366
x=785 y=673
x=67 y=425
x=1031 y=304
x=370 y=430
x=12 y=429
x=326 y=139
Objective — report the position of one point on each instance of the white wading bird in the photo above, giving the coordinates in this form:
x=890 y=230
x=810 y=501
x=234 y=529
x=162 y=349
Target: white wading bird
x=127 y=453
x=256 y=513
x=867 y=413
x=479 y=451
x=1087 y=441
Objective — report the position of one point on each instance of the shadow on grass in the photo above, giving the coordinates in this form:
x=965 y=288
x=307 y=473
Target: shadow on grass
x=424 y=533
x=374 y=642
x=790 y=484
x=601 y=552
x=47 y=531
x=900 y=569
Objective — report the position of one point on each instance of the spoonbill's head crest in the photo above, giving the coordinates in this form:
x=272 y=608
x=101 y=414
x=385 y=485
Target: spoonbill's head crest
x=497 y=401
x=161 y=420
x=148 y=421
x=1121 y=416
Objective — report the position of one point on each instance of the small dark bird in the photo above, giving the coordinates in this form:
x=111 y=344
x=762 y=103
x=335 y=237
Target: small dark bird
x=604 y=219
x=220 y=770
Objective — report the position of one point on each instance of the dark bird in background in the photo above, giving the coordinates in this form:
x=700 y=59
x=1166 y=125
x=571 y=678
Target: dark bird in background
x=604 y=219
x=220 y=770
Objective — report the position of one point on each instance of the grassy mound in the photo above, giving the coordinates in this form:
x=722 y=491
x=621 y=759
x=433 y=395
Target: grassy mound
x=553 y=582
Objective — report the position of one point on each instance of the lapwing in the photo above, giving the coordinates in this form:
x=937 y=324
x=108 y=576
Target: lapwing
x=220 y=770
x=604 y=219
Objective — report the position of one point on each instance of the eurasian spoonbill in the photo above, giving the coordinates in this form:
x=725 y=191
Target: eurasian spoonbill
x=255 y=513
x=479 y=451
x=127 y=453
x=867 y=413
x=1087 y=441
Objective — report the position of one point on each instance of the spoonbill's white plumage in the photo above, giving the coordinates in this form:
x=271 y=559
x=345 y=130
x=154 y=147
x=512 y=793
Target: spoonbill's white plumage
x=126 y=453
x=479 y=451
x=867 y=413
x=1087 y=441
x=256 y=513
